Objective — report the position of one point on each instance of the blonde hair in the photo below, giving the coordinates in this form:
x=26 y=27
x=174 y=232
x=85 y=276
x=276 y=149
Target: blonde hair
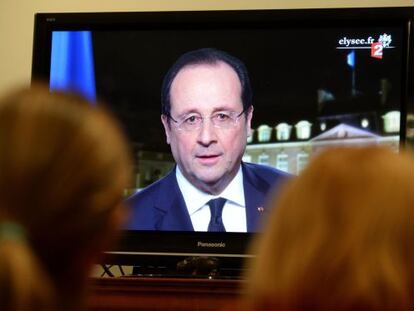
x=63 y=167
x=341 y=236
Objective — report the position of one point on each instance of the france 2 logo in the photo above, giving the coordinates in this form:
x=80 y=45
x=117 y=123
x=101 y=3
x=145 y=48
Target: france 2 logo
x=377 y=48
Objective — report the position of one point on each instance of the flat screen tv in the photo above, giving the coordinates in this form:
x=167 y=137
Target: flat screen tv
x=320 y=78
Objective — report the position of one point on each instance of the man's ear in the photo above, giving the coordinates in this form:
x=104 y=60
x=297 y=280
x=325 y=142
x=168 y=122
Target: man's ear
x=249 y=117
x=167 y=127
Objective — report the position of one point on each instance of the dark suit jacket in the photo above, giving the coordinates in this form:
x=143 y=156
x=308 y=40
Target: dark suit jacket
x=161 y=206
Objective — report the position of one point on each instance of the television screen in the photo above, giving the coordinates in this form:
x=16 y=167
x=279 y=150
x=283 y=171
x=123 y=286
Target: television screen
x=319 y=78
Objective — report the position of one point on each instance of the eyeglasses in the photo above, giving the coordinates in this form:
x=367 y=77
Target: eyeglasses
x=193 y=121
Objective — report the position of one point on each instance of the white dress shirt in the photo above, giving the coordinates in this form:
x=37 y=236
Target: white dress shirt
x=234 y=210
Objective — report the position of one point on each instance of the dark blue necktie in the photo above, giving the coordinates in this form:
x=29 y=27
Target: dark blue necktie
x=216 y=209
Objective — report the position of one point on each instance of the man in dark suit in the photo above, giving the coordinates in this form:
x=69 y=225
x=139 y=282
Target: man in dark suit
x=206 y=113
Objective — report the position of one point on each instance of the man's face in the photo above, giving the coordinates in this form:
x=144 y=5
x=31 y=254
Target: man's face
x=209 y=157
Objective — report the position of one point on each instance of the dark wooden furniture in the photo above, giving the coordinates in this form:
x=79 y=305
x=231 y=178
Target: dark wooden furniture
x=142 y=293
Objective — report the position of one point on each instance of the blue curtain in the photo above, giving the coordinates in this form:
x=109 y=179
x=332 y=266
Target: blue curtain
x=72 y=66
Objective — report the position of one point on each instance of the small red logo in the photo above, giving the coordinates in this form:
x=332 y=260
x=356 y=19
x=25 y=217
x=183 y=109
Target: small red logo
x=376 y=50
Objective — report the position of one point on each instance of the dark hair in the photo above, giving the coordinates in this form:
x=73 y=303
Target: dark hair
x=206 y=56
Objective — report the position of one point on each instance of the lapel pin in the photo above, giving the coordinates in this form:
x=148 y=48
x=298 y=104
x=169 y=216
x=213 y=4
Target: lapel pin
x=260 y=209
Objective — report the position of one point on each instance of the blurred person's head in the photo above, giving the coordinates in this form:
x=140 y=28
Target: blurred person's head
x=206 y=113
x=341 y=236
x=63 y=167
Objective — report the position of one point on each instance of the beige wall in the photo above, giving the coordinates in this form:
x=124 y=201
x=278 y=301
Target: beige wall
x=16 y=21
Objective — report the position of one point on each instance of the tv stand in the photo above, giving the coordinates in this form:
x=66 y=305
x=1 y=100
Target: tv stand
x=190 y=267
x=166 y=293
x=207 y=267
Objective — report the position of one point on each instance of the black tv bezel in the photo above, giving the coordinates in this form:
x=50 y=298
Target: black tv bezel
x=152 y=244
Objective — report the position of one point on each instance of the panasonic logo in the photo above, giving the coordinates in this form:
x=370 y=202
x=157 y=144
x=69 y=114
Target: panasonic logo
x=209 y=244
